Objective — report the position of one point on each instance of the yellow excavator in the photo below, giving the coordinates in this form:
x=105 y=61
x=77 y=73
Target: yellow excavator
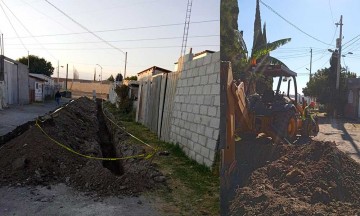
x=272 y=112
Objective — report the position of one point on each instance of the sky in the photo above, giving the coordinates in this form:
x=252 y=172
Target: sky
x=315 y=19
x=150 y=31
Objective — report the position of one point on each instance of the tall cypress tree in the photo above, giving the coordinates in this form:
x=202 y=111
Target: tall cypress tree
x=258 y=40
x=264 y=33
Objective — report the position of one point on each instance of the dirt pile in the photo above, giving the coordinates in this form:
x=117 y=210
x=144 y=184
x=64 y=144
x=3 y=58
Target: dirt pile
x=33 y=159
x=311 y=179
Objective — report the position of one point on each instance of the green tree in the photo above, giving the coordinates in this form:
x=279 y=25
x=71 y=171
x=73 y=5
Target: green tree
x=37 y=65
x=233 y=47
x=124 y=102
x=119 y=77
x=258 y=39
x=323 y=86
x=131 y=78
x=111 y=78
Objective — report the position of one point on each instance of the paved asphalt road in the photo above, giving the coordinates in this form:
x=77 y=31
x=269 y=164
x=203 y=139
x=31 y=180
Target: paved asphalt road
x=16 y=115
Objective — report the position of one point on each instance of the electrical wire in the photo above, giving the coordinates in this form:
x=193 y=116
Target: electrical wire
x=351 y=40
x=121 y=29
x=107 y=48
x=127 y=40
x=28 y=30
x=293 y=25
x=85 y=27
x=13 y=27
x=351 y=44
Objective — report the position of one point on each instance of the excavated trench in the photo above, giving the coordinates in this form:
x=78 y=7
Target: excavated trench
x=106 y=144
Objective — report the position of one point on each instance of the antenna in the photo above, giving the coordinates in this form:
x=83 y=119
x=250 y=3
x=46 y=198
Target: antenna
x=186 y=28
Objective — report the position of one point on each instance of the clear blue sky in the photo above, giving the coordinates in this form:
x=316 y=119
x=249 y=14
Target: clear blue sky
x=84 y=51
x=315 y=17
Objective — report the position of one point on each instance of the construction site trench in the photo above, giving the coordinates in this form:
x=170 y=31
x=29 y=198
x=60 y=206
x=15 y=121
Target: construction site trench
x=36 y=156
x=107 y=146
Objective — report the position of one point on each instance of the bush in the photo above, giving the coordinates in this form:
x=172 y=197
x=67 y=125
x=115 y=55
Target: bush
x=124 y=102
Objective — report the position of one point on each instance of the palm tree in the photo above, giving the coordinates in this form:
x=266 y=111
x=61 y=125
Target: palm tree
x=260 y=56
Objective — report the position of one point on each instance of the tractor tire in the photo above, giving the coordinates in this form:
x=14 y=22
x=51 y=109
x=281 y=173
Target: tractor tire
x=285 y=125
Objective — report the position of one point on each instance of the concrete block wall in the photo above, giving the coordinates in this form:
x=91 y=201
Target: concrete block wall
x=196 y=114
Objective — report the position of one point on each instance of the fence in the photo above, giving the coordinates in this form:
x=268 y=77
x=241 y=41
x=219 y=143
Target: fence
x=184 y=107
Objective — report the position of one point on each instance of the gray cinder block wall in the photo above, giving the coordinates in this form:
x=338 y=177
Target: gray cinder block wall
x=196 y=114
x=183 y=107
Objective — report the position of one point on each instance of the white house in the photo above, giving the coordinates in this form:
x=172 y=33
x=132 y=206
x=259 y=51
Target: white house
x=41 y=87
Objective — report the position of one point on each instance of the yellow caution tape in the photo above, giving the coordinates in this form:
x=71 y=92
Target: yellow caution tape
x=123 y=128
x=146 y=156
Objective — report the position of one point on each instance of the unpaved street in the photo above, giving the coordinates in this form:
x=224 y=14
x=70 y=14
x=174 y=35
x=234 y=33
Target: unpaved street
x=345 y=133
x=62 y=200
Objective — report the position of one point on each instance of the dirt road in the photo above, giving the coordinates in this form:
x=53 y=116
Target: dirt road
x=62 y=200
x=345 y=133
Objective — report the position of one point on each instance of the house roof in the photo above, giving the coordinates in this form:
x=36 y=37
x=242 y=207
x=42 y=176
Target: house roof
x=40 y=76
x=155 y=68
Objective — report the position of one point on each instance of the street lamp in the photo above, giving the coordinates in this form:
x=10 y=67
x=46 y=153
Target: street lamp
x=58 y=68
x=101 y=73
x=310 y=73
x=346 y=67
x=349 y=53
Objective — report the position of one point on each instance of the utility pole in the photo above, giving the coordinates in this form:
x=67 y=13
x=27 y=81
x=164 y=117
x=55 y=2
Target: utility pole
x=339 y=56
x=310 y=63
x=58 y=73
x=125 y=65
x=28 y=59
x=2 y=58
x=338 y=45
x=66 y=80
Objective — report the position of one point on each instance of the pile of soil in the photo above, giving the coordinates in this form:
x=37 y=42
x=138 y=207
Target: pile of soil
x=311 y=179
x=33 y=159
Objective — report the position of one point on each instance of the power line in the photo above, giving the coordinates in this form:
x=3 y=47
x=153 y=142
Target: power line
x=85 y=27
x=351 y=39
x=27 y=29
x=13 y=27
x=293 y=25
x=129 y=40
x=351 y=43
x=107 y=48
x=323 y=54
x=120 y=29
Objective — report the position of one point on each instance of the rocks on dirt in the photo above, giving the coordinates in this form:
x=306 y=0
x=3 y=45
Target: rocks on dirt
x=43 y=162
x=311 y=179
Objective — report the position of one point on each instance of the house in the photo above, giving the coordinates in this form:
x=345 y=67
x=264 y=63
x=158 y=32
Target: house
x=14 y=82
x=154 y=70
x=352 y=108
x=41 y=86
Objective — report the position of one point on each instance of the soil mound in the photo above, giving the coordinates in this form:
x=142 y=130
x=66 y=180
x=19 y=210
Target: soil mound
x=33 y=159
x=311 y=179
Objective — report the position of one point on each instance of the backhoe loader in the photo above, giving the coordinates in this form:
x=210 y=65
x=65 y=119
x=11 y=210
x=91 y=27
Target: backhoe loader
x=272 y=112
